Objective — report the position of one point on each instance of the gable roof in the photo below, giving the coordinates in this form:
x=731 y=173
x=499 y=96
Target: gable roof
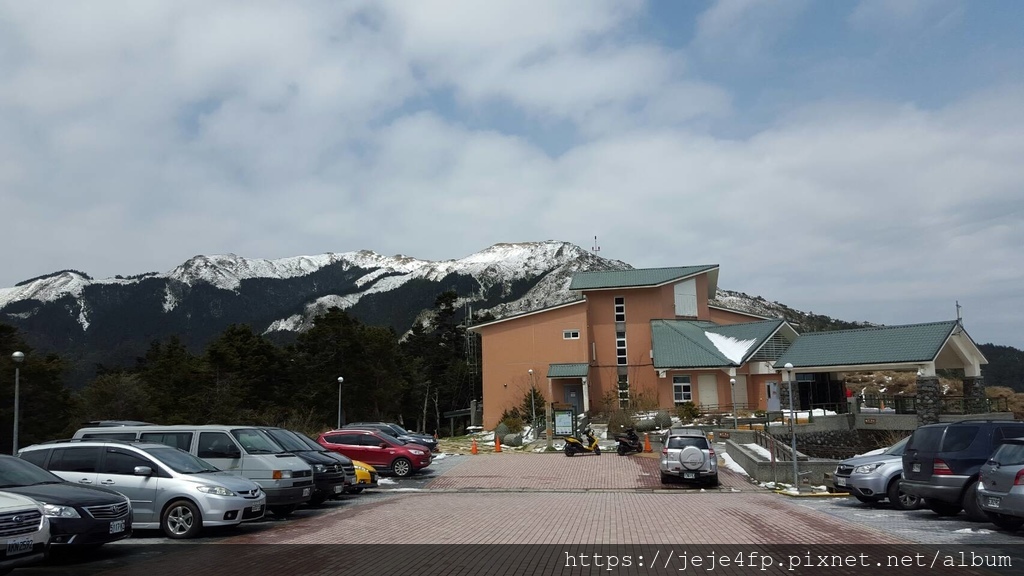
x=575 y=370
x=865 y=346
x=641 y=278
x=695 y=344
x=476 y=327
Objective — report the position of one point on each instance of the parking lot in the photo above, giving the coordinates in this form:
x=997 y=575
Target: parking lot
x=527 y=498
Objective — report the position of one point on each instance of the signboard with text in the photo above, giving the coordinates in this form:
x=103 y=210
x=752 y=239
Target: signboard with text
x=564 y=422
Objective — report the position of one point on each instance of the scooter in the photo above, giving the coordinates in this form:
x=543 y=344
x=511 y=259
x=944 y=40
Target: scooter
x=575 y=445
x=628 y=442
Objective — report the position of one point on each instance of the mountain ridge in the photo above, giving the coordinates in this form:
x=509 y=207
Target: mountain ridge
x=110 y=322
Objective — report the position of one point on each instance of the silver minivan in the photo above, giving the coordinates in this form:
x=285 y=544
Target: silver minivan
x=243 y=450
x=169 y=489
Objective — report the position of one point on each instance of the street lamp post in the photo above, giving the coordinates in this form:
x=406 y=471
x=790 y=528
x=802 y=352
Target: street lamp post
x=732 y=388
x=792 y=426
x=18 y=357
x=340 y=380
x=533 y=405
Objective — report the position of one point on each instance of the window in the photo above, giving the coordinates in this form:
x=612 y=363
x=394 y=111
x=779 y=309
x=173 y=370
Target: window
x=623 y=391
x=182 y=440
x=217 y=445
x=681 y=391
x=121 y=462
x=345 y=439
x=620 y=348
x=570 y=334
x=75 y=459
x=109 y=435
x=37 y=457
x=620 y=309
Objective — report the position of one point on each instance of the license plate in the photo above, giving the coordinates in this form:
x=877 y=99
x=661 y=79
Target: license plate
x=992 y=501
x=117 y=526
x=339 y=489
x=257 y=506
x=19 y=546
x=307 y=491
x=915 y=467
x=840 y=481
x=689 y=475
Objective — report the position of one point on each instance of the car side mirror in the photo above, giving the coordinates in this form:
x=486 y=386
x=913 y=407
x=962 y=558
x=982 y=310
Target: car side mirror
x=143 y=471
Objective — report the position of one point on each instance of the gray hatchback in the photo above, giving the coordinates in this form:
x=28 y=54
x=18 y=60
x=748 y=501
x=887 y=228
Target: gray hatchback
x=687 y=455
x=1001 y=485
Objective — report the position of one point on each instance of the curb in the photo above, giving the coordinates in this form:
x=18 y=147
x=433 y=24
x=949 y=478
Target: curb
x=812 y=494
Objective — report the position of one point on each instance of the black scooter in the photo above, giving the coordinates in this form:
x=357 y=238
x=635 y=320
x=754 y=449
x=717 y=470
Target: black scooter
x=628 y=442
x=575 y=445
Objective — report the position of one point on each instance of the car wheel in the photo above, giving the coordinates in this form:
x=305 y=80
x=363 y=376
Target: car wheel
x=943 y=508
x=866 y=499
x=666 y=479
x=356 y=490
x=569 y=450
x=401 y=467
x=899 y=499
x=971 y=507
x=282 y=511
x=1005 y=521
x=317 y=500
x=713 y=481
x=181 y=519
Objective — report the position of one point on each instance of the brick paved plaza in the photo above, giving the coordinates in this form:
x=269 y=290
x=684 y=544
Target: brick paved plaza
x=551 y=499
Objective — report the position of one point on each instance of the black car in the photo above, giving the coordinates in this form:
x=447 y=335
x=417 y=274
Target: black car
x=79 y=515
x=345 y=461
x=329 y=477
x=398 y=432
x=941 y=463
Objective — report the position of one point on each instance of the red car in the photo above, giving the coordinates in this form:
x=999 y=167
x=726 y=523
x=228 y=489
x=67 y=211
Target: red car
x=380 y=450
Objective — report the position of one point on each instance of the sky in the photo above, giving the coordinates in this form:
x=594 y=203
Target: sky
x=859 y=159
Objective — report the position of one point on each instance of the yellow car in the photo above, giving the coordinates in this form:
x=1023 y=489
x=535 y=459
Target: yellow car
x=366 y=477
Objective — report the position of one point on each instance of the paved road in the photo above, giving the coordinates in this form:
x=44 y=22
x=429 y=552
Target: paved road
x=534 y=499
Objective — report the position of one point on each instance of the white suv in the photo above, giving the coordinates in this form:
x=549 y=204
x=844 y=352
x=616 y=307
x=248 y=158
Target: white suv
x=24 y=529
x=687 y=455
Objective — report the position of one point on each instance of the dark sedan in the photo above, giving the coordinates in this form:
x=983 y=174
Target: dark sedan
x=79 y=515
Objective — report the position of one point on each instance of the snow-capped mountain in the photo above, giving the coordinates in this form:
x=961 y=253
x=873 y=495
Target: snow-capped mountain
x=112 y=321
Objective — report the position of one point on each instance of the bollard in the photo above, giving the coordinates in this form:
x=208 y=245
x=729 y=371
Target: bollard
x=473 y=449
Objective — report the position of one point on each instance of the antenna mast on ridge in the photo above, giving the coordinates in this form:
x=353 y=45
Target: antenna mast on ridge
x=595 y=249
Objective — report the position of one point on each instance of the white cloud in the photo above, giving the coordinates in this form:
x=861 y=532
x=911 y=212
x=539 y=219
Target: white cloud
x=134 y=135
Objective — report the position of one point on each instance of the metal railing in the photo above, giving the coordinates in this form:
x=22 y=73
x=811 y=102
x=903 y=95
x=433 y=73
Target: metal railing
x=907 y=404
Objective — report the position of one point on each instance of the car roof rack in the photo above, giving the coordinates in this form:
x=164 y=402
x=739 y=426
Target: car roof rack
x=100 y=440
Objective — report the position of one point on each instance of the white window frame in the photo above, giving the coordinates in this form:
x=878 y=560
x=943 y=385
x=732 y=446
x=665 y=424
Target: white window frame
x=682 y=389
x=620 y=308
x=621 y=358
x=570 y=334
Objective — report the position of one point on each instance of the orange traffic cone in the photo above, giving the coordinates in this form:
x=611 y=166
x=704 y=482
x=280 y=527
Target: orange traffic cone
x=647 y=442
x=473 y=449
x=497 y=443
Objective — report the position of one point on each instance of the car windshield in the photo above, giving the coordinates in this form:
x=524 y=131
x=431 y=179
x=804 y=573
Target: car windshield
x=256 y=442
x=17 y=472
x=897 y=448
x=287 y=440
x=310 y=443
x=180 y=461
x=400 y=430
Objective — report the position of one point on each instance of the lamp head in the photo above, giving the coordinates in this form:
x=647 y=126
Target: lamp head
x=732 y=381
x=18 y=356
x=788 y=366
x=340 y=380
x=530 y=371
